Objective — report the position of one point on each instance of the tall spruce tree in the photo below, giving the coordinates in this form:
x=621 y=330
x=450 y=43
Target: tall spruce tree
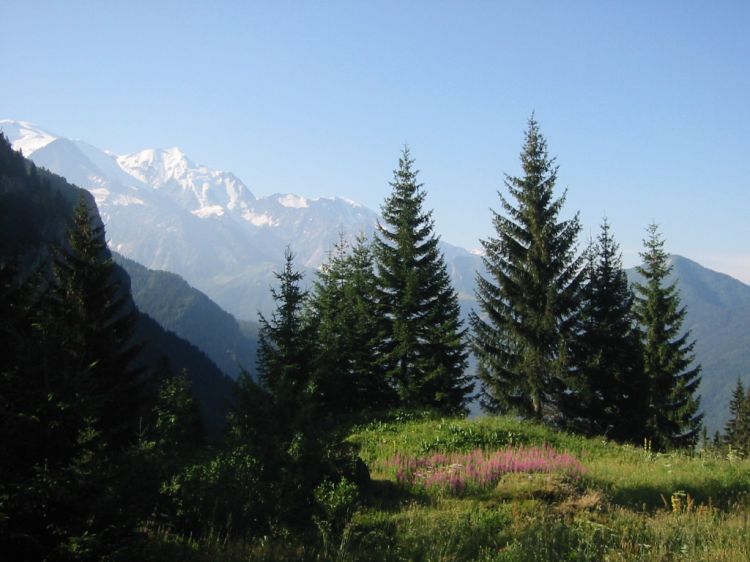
x=609 y=393
x=737 y=429
x=530 y=299
x=98 y=317
x=423 y=353
x=285 y=351
x=286 y=354
x=349 y=375
x=74 y=406
x=673 y=418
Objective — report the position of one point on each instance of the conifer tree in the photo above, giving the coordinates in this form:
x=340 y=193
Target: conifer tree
x=74 y=404
x=97 y=316
x=423 y=353
x=673 y=418
x=530 y=299
x=349 y=376
x=737 y=429
x=286 y=365
x=610 y=389
x=285 y=350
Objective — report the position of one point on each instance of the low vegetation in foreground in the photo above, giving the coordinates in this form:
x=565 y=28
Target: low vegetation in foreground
x=500 y=489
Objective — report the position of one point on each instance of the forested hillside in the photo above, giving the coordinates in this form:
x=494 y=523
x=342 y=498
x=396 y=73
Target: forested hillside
x=190 y=314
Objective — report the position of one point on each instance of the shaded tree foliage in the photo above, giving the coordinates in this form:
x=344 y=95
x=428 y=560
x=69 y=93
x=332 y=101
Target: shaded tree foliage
x=69 y=399
x=98 y=318
x=349 y=375
x=609 y=388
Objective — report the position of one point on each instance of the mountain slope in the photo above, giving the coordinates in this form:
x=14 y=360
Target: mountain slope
x=191 y=315
x=718 y=317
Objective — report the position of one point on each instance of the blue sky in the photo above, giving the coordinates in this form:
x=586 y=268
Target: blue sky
x=645 y=104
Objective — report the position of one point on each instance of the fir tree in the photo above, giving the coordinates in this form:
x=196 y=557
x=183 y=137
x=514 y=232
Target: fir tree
x=97 y=316
x=423 y=353
x=73 y=403
x=737 y=429
x=530 y=299
x=610 y=394
x=285 y=351
x=286 y=372
x=349 y=376
x=673 y=418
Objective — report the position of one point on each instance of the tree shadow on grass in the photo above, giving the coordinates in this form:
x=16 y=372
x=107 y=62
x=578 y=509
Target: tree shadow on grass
x=386 y=495
x=712 y=494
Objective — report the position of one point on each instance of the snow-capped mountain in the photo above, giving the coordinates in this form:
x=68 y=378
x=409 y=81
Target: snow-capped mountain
x=165 y=211
x=198 y=189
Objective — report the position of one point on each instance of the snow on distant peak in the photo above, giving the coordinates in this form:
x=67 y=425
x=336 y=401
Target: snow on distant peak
x=477 y=251
x=256 y=219
x=210 y=211
x=351 y=202
x=100 y=194
x=125 y=200
x=156 y=166
x=25 y=136
x=293 y=201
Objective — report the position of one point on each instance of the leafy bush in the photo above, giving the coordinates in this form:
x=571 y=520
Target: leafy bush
x=224 y=494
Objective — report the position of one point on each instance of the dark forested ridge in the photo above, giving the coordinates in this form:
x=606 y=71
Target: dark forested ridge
x=36 y=208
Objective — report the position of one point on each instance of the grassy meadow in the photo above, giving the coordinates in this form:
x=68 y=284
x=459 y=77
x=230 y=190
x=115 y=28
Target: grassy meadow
x=497 y=489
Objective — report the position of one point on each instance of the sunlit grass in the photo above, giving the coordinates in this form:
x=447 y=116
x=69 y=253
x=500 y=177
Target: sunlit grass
x=630 y=476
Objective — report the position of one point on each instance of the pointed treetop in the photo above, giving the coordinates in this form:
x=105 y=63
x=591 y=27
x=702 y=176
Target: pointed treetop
x=534 y=155
x=654 y=256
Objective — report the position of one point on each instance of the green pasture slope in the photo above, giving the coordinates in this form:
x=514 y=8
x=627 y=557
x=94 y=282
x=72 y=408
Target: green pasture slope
x=627 y=503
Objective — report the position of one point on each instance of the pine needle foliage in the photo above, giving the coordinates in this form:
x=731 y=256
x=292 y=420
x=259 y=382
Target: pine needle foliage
x=673 y=418
x=97 y=318
x=349 y=375
x=530 y=298
x=610 y=388
x=286 y=347
x=423 y=354
x=737 y=429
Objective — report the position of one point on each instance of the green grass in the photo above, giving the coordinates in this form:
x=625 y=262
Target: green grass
x=629 y=476
x=630 y=504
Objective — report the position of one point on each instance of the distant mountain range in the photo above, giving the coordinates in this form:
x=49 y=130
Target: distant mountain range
x=168 y=213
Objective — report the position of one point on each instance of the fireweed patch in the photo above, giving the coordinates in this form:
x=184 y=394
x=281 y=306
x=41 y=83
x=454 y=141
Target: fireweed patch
x=455 y=472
